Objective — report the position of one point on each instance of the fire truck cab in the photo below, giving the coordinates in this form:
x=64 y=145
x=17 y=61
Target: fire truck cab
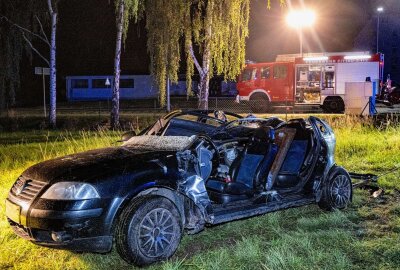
x=314 y=79
x=266 y=84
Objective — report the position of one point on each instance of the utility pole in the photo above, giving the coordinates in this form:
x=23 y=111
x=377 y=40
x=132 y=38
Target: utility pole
x=379 y=10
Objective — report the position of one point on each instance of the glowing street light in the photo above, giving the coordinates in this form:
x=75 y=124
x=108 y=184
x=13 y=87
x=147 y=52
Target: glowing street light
x=379 y=10
x=300 y=19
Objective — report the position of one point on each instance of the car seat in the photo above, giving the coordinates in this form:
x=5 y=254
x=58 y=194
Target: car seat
x=248 y=171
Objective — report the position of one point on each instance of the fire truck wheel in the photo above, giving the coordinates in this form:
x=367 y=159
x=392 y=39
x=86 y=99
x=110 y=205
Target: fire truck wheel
x=259 y=103
x=333 y=105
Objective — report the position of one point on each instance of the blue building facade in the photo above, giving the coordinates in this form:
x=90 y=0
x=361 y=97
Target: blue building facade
x=93 y=88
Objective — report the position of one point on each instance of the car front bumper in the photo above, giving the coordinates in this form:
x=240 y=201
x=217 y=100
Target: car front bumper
x=86 y=230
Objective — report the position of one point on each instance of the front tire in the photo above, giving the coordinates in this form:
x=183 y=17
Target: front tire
x=149 y=230
x=337 y=191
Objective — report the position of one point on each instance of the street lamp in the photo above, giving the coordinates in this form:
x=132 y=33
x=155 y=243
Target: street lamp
x=379 y=10
x=300 y=19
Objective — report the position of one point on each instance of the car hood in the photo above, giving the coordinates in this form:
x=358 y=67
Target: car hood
x=91 y=165
x=135 y=155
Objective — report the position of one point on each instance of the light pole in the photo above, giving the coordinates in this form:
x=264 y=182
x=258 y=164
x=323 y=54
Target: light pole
x=379 y=10
x=300 y=19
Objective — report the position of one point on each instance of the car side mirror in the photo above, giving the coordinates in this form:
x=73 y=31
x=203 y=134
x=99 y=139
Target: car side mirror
x=127 y=135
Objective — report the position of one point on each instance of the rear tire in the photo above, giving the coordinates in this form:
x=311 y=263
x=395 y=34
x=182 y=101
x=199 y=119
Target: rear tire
x=149 y=230
x=259 y=103
x=337 y=191
x=333 y=105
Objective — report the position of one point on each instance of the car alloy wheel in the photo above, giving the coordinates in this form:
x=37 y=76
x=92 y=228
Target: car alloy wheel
x=149 y=230
x=337 y=190
x=156 y=232
x=340 y=191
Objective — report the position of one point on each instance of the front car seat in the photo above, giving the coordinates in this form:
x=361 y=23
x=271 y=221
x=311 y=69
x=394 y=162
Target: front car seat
x=248 y=171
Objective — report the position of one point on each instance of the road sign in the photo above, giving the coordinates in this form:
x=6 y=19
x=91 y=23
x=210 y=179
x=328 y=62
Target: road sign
x=42 y=71
x=107 y=82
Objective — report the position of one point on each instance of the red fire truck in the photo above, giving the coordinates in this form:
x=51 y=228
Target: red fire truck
x=314 y=79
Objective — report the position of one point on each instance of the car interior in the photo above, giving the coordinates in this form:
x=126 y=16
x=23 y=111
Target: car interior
x=272 y=160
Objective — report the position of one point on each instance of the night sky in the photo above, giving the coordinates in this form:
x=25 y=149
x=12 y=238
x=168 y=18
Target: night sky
x=87 y=32
x=338 y=22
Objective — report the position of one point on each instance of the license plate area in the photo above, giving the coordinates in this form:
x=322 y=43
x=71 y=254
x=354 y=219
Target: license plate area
x=13 y=211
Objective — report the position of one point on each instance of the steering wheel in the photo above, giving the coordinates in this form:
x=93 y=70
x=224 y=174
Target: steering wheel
x=210 y=144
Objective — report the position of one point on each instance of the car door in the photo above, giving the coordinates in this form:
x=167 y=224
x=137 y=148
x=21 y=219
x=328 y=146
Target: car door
x=325 y=135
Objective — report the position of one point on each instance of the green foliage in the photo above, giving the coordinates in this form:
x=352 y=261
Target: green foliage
x=164 y=24
x=229 y=21
x=217 y=28
x=168 y=22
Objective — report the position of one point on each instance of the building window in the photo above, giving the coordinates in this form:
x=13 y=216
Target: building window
x=99 y=83
x=80 y=83
x=127 y=83
x=280 y=72
x=265 y=72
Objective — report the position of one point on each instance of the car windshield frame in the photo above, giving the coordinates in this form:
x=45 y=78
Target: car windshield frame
x=231 y=124
x=158 y=127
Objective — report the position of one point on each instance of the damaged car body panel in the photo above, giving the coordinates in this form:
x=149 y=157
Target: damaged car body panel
x=143 y=194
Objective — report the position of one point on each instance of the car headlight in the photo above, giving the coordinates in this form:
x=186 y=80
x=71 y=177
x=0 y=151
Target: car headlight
x=71 y=191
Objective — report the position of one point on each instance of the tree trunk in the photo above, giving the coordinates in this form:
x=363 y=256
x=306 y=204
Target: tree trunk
x=117 y=69
x=203 y=91
x=205 y=74
x=53 y=71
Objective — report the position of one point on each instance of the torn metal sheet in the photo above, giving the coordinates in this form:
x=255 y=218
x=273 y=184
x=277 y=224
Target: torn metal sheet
x=171 y=143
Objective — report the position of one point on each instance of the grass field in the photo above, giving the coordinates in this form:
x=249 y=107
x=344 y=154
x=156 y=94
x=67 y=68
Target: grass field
x=364 y=236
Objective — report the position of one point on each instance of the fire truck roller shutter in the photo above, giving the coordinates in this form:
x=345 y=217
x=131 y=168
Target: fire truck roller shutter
x=260 y=101
x=333 y=104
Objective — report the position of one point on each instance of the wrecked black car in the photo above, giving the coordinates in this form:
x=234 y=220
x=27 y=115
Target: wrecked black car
x=185 y=172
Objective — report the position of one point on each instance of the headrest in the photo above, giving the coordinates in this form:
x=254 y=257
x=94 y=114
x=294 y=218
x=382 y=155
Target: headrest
x=260 y=141
x=264 y=134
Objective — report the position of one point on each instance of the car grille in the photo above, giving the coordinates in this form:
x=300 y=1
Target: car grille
x=26 y=189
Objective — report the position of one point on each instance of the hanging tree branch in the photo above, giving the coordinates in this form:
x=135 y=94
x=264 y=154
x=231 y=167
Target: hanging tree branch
x=35 y=50
x=23 y=29
x=42 y=30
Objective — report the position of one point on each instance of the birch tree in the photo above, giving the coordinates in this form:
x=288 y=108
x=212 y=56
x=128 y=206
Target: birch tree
x=125 y=10
x=52 y=7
